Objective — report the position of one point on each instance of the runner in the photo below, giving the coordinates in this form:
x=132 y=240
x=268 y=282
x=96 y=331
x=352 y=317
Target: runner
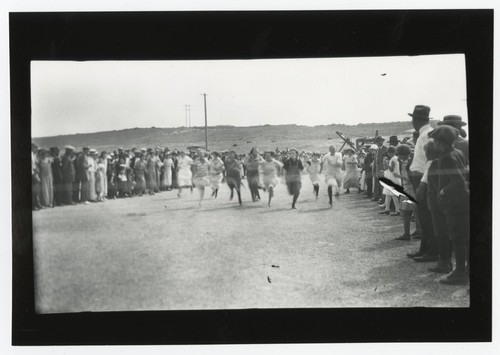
x=331 y=165
x=270 y=168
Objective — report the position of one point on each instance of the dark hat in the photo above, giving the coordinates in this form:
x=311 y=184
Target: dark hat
x=421 y=112
x=379 y=138
x=452 y=120
x=85 y=148
x=444 y=134
x=393 y=139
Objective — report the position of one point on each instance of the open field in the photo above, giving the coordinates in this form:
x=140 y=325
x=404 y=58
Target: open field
x=162 y=253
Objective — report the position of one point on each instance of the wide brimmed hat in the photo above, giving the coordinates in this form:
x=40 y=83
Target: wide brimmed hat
x=444 y=134
x=85 y=148
x=69 y=147
x=93 y=151
x=421 y=112
x=374 y=146
x=452 y=120
x=379 y=138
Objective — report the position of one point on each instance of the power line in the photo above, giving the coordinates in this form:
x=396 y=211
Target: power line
x=206 y=129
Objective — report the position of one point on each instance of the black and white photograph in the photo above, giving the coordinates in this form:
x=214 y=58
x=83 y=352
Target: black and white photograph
x=275 y=203
x=225 y=180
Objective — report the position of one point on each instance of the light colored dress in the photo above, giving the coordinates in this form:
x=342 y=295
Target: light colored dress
x=389 y=175
x=184 y=176
x=216 y=169
x=201 y=175
x=313 y=169
x=100 y=179
x=167 y=172
x=332 y=165
x=269 y=170
x=46 y=183
x=351 y=178
x=92 y=169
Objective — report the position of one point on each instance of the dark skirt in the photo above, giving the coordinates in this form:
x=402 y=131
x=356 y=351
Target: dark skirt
x=293 y=186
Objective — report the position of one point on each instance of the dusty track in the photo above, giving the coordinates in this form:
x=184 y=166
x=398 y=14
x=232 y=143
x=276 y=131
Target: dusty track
x=161 y=252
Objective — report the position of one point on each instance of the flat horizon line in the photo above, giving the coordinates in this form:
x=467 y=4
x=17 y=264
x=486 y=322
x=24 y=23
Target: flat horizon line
x=228 y=126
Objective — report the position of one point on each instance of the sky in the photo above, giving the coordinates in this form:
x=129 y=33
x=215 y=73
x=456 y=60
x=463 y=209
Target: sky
x=80 y=97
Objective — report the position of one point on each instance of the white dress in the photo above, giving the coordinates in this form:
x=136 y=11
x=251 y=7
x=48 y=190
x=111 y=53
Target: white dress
x=216 y=168
x=389 y=175
x=184 y=176
x=332 y=165
x=167 y=172
x=313 y=171
x=201 y=178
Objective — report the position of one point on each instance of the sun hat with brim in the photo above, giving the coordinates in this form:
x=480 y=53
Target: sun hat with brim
x=69 y=147
x=374 y=146
x=92 y=151
x=379 y=138
x=452 y=120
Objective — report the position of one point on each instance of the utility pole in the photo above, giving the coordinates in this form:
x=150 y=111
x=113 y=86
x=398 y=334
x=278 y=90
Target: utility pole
x=189 y=115
x=206 y=130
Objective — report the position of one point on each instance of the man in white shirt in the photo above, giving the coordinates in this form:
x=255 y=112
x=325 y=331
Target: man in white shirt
x=428 y=245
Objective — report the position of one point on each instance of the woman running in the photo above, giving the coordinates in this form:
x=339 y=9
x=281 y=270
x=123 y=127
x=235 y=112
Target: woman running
x=184 y=174
x=216 y=170
x=270 y=168
x=313 y=169
x=253 y=176
x=293 y=167
x=201 y=174
x=331 y=165
x=234 y=171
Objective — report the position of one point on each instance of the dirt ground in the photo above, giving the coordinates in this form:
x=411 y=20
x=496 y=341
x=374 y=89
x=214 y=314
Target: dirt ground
x=162 y=252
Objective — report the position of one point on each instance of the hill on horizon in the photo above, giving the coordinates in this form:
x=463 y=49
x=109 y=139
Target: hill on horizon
x=240 y=139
